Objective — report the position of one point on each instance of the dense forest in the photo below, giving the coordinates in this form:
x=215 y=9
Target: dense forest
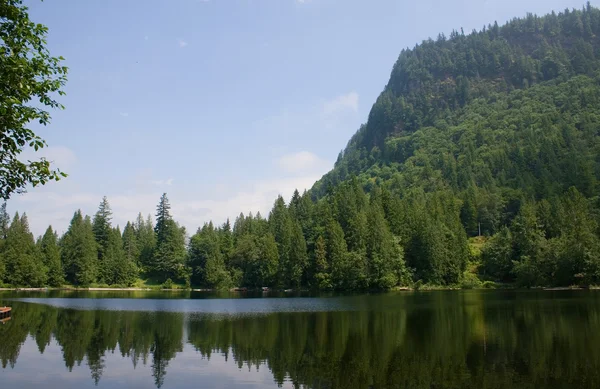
x=413 y=347
x=490 y=135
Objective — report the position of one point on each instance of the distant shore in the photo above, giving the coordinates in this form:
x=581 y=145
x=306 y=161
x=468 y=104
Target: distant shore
x=147 y=289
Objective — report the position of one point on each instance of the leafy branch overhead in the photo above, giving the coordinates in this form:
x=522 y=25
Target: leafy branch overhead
x=30 y=80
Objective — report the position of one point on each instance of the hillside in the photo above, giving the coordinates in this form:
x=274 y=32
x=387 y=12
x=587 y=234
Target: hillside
x=503 y=121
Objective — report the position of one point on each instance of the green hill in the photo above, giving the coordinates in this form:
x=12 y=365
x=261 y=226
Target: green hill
x=498 y=128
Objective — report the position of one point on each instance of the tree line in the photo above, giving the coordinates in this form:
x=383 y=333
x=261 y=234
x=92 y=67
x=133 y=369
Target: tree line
x=343 y=242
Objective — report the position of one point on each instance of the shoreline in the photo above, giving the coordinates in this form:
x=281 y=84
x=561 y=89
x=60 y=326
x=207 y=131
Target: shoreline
x=242 y=290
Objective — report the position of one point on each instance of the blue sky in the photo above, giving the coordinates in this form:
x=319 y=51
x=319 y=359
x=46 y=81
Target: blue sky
x=223 y=104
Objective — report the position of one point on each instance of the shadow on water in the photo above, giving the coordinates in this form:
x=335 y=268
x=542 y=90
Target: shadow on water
x=496 y=339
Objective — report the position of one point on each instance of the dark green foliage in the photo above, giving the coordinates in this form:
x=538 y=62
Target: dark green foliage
x=281 y=226
x=79 y=251
x=51 y=257
x=146 y=242
x=4 y=221
x=102 y=228
x=535 y=252
x=169 y=257
x=23 y=261
x=130 y=244
x=322 y=279
x=101 y=225
x=258 y=259
x=206 y=259
x=498 y=256
x=385 y=256
x=116 y=268
x=29 y=80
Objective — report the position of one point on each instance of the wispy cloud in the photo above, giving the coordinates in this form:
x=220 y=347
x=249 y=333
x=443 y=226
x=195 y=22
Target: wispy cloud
x=302 y=162
x=45 y=206
x=59 y=156
x=182 y=43
x=347 y=102
x=124 y=114
x=167 y=182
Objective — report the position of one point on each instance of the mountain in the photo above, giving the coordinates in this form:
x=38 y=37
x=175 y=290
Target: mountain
x=503 y=125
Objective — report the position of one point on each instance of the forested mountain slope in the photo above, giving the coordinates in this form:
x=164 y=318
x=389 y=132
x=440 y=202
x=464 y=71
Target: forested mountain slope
x=501 y=123
x=440 y=84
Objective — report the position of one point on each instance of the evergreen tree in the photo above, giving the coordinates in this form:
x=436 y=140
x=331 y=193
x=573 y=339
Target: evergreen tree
x=4 y=225
x=297 y=257
x=146 y=242
x=206 y=259
x=130 y=244
x=119 y=269
x=281 y=227
x=258 y=259
x=337 y=254
x=79 y=251
x=4 y=221
x=51 y=258
x=169 y=256
x=163 y=217
x=23 y=261
x=321 y=274
x=102 y=233
x=386 y=263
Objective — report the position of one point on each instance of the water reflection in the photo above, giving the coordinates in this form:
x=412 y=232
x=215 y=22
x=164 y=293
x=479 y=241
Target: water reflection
x=431 y=340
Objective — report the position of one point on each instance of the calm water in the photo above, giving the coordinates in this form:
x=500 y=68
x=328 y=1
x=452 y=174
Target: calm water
x=446 y=339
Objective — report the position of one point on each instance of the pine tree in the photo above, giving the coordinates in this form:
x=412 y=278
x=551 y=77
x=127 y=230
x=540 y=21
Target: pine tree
x=321 y=274
x=204 y=244
x=120 y=270
x=386 y=263
x=146 y=241
x=4 y=221
x=297 y=257
x=4 y=225
x=130 y=244
x=163 y=217
x=258 y=259
x=23 y=261
x=51 y=257
x=169 y=256
x=267 y=263
x=281 y=227
x=226 y=240
x=336 y=254
x=79 y=251
x=102 y=233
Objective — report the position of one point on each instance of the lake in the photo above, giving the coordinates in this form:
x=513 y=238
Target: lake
x=437 y=339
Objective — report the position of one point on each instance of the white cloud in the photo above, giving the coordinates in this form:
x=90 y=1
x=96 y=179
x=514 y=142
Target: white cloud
x=146 y=37
x=340 y=104
x=302 y=161
x=182 y=43
x=167 y=182
x=124 y=114
x=46 y=206
x=258 y=198
x=60 y=157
